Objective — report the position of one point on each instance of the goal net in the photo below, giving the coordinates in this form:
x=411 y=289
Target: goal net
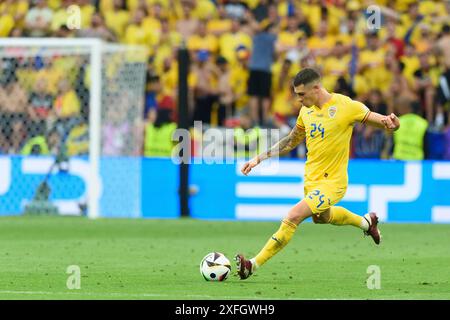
x=71 y=126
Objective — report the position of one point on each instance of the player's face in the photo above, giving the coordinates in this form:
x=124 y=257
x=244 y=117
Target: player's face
x=307 y=95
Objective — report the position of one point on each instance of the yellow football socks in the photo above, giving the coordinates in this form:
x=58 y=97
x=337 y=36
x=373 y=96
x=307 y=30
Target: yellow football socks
x=340 y=216
x=275 y=243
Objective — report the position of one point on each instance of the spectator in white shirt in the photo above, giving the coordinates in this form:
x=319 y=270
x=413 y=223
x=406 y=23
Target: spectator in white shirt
x=38 y=19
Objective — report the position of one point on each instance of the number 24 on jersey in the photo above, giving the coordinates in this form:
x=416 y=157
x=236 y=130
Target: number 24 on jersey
x=317 y=130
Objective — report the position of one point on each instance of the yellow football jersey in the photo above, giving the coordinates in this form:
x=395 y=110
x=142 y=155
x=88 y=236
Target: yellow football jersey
x=328 y=131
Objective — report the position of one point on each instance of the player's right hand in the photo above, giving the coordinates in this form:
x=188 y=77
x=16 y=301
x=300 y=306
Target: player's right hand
x=248 y=166
x=391 y=122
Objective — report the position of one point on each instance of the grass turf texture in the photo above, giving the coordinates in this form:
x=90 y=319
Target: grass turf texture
x=159 y=259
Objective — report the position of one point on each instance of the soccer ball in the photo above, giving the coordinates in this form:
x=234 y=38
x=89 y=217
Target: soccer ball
x=215 y=267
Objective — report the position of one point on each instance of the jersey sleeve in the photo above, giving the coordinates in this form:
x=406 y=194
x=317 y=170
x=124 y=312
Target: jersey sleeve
x=300 y=123
x=358 y=112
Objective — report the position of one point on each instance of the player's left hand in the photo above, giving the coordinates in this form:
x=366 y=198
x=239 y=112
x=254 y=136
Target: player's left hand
x=248 y=166
x=391 y=122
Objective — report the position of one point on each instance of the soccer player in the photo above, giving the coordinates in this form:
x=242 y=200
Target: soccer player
x=326 y=120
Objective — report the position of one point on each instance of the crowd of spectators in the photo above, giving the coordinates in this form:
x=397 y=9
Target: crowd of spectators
x=243 y=55
x=43 y=101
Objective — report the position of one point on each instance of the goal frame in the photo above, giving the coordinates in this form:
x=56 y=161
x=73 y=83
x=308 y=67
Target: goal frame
x=95 y=47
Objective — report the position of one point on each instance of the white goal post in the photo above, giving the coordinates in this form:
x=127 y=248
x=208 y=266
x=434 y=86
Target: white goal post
x=96 y=53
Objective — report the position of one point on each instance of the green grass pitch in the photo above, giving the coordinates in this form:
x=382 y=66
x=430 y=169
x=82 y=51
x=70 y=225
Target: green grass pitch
x=159 y=259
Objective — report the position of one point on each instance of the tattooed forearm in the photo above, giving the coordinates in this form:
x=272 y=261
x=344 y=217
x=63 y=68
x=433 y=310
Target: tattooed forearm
x=283 y=146
x=280 y=147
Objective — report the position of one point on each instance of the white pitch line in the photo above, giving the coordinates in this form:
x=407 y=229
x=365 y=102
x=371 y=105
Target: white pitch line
x=81 y=293
x=115 y=294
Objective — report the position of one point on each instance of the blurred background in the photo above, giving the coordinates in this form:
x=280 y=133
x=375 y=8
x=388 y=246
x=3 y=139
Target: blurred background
x=243 y=55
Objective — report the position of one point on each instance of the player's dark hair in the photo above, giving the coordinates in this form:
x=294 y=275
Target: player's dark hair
x=306 y=76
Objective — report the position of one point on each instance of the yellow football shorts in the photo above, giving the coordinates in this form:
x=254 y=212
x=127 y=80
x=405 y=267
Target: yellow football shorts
x=321 y=197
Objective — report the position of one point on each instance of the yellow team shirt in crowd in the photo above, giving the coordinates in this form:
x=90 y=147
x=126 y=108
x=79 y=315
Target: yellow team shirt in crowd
x=27 y=78
x=139 y=35
x=333 y=68
x=252 y=4
x=67 y=105
x=165 y=49
x=416 y=37
x=229 y=42
x=287 y=38
x=61 y=16
x=204 y=9
x=15 y=9
x=328 y=131
x=335 y=16
x=132 y=5
x=312 y=12
x=218 y=26
x=238 y=79
x=283 y=99
x=197 y=42
x=153 y=24
x=169 y=80
x=427 y=7
x=412 y=63
x=347 y=39
x=325 y=43
x=117 y=22
x=400 y=32
x=87 y=11
x=402 y=5
x=59 y=19
x=375 y=59
x=54 y=4
x=6 y=25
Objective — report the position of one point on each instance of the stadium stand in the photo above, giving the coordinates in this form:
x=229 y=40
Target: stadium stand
x=406 y=59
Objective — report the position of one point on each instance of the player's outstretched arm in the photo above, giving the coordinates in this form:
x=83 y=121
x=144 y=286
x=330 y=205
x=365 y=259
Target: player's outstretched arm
x=283 y=146
x=389 y=122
